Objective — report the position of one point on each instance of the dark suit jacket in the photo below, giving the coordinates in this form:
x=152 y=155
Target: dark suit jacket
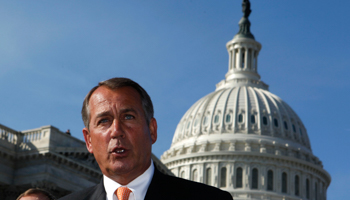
x=162 y=187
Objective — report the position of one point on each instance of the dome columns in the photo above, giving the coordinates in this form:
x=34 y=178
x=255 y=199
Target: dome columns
x=300 y=180
x=243 y=55
x=244 y=59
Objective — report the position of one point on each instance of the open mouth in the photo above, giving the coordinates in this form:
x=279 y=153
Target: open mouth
x=120 y=151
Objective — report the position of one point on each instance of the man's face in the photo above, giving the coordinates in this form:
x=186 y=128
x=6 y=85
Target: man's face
x=119 y=136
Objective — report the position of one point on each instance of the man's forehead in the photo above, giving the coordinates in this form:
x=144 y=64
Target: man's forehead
x=103 y=90
x=104 y=95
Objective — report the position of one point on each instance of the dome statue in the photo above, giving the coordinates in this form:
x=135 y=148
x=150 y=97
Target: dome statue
x=244 y=139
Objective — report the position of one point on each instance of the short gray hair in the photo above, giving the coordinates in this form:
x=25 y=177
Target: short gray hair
x=115 y=83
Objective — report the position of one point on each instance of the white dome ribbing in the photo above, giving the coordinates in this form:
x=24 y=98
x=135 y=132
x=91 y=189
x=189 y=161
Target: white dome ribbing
x=241 y=112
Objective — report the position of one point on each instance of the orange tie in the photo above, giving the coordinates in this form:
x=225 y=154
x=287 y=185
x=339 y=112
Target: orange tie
x=122 y=193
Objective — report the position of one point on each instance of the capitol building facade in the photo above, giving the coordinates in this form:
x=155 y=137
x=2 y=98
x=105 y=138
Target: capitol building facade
x=244 y=139
x=47 y=158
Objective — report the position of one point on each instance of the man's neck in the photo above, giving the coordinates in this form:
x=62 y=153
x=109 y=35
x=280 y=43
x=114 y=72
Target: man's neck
x=138 y=186
x=124 y=179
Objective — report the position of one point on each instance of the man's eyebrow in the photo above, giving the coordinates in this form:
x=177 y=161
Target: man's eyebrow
x=125 y=110
x=102 y=114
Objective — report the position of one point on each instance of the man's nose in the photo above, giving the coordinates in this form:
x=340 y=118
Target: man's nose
x=118 y=130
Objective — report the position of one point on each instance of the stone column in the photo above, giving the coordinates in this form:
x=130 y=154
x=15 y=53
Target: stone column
x=246 y=184
x=233 y=58
x=239 y=60
x=232 y=175
x=230 y=58
x=201 y=172
x=263 y=179
x=252 y=64
x=277 y=181
x=256 y=60
x=215 y=174
x=246 y=64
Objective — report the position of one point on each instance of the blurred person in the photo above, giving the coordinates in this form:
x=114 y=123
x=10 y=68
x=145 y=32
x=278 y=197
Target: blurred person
x=36 y=194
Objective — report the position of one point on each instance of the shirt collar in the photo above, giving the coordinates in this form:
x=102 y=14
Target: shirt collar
x=138 y=186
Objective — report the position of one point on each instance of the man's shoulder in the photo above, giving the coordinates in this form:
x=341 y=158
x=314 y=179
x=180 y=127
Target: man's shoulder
x=94 y=192
x=179 y=188
x=194 y=186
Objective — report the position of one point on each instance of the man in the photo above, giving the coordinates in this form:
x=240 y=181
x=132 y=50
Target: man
x=35 y=194
x=120 y=130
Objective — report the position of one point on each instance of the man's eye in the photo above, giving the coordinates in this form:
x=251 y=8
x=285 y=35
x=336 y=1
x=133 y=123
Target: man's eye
x=129 y=117
x=102 y=121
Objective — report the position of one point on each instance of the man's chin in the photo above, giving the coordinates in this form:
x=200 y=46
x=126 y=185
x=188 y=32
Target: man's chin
x=120 y=168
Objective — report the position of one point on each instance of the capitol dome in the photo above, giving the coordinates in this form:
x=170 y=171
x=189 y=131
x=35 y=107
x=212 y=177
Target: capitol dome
x=241 y=113
x=244 y=139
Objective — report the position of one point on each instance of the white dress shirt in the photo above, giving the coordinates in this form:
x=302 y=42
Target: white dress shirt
x=138 y=186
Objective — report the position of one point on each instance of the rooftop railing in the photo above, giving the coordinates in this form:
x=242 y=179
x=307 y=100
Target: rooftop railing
x=9 y=135
x=32 y=136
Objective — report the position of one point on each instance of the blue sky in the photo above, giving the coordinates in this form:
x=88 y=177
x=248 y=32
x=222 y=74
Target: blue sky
x=53 y=52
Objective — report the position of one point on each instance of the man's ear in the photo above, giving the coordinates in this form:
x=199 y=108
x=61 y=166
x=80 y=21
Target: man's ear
x=153 y=130
x=87 y=138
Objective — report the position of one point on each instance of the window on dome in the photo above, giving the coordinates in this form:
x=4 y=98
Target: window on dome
x=188 y=124
x=307 y=189
x=252 y=119
x=216 y=119
x=270 y=180
x=255 y=178
x=228 y=118
x=223 y=175
x=196 y=122
x=205 y=120
x=294 y=128
x=239 y=177
x=285 y=125
x=301 y=132
x=275 y=121
x=316 y=191
x=182 y=174
x=208 y=176
x=265 y=120
x=240 y=118
x=296 y=185
x=284 y=182
x=194 y=175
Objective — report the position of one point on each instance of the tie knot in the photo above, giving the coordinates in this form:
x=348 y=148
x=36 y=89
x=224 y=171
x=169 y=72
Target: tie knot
x=123 y=193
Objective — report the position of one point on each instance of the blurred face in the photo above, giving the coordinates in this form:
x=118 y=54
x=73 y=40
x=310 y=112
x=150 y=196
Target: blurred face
x=119 y=136
x=35 y=197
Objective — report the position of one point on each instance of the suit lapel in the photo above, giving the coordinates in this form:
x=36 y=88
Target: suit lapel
x=154 y=189
x=99 y=193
